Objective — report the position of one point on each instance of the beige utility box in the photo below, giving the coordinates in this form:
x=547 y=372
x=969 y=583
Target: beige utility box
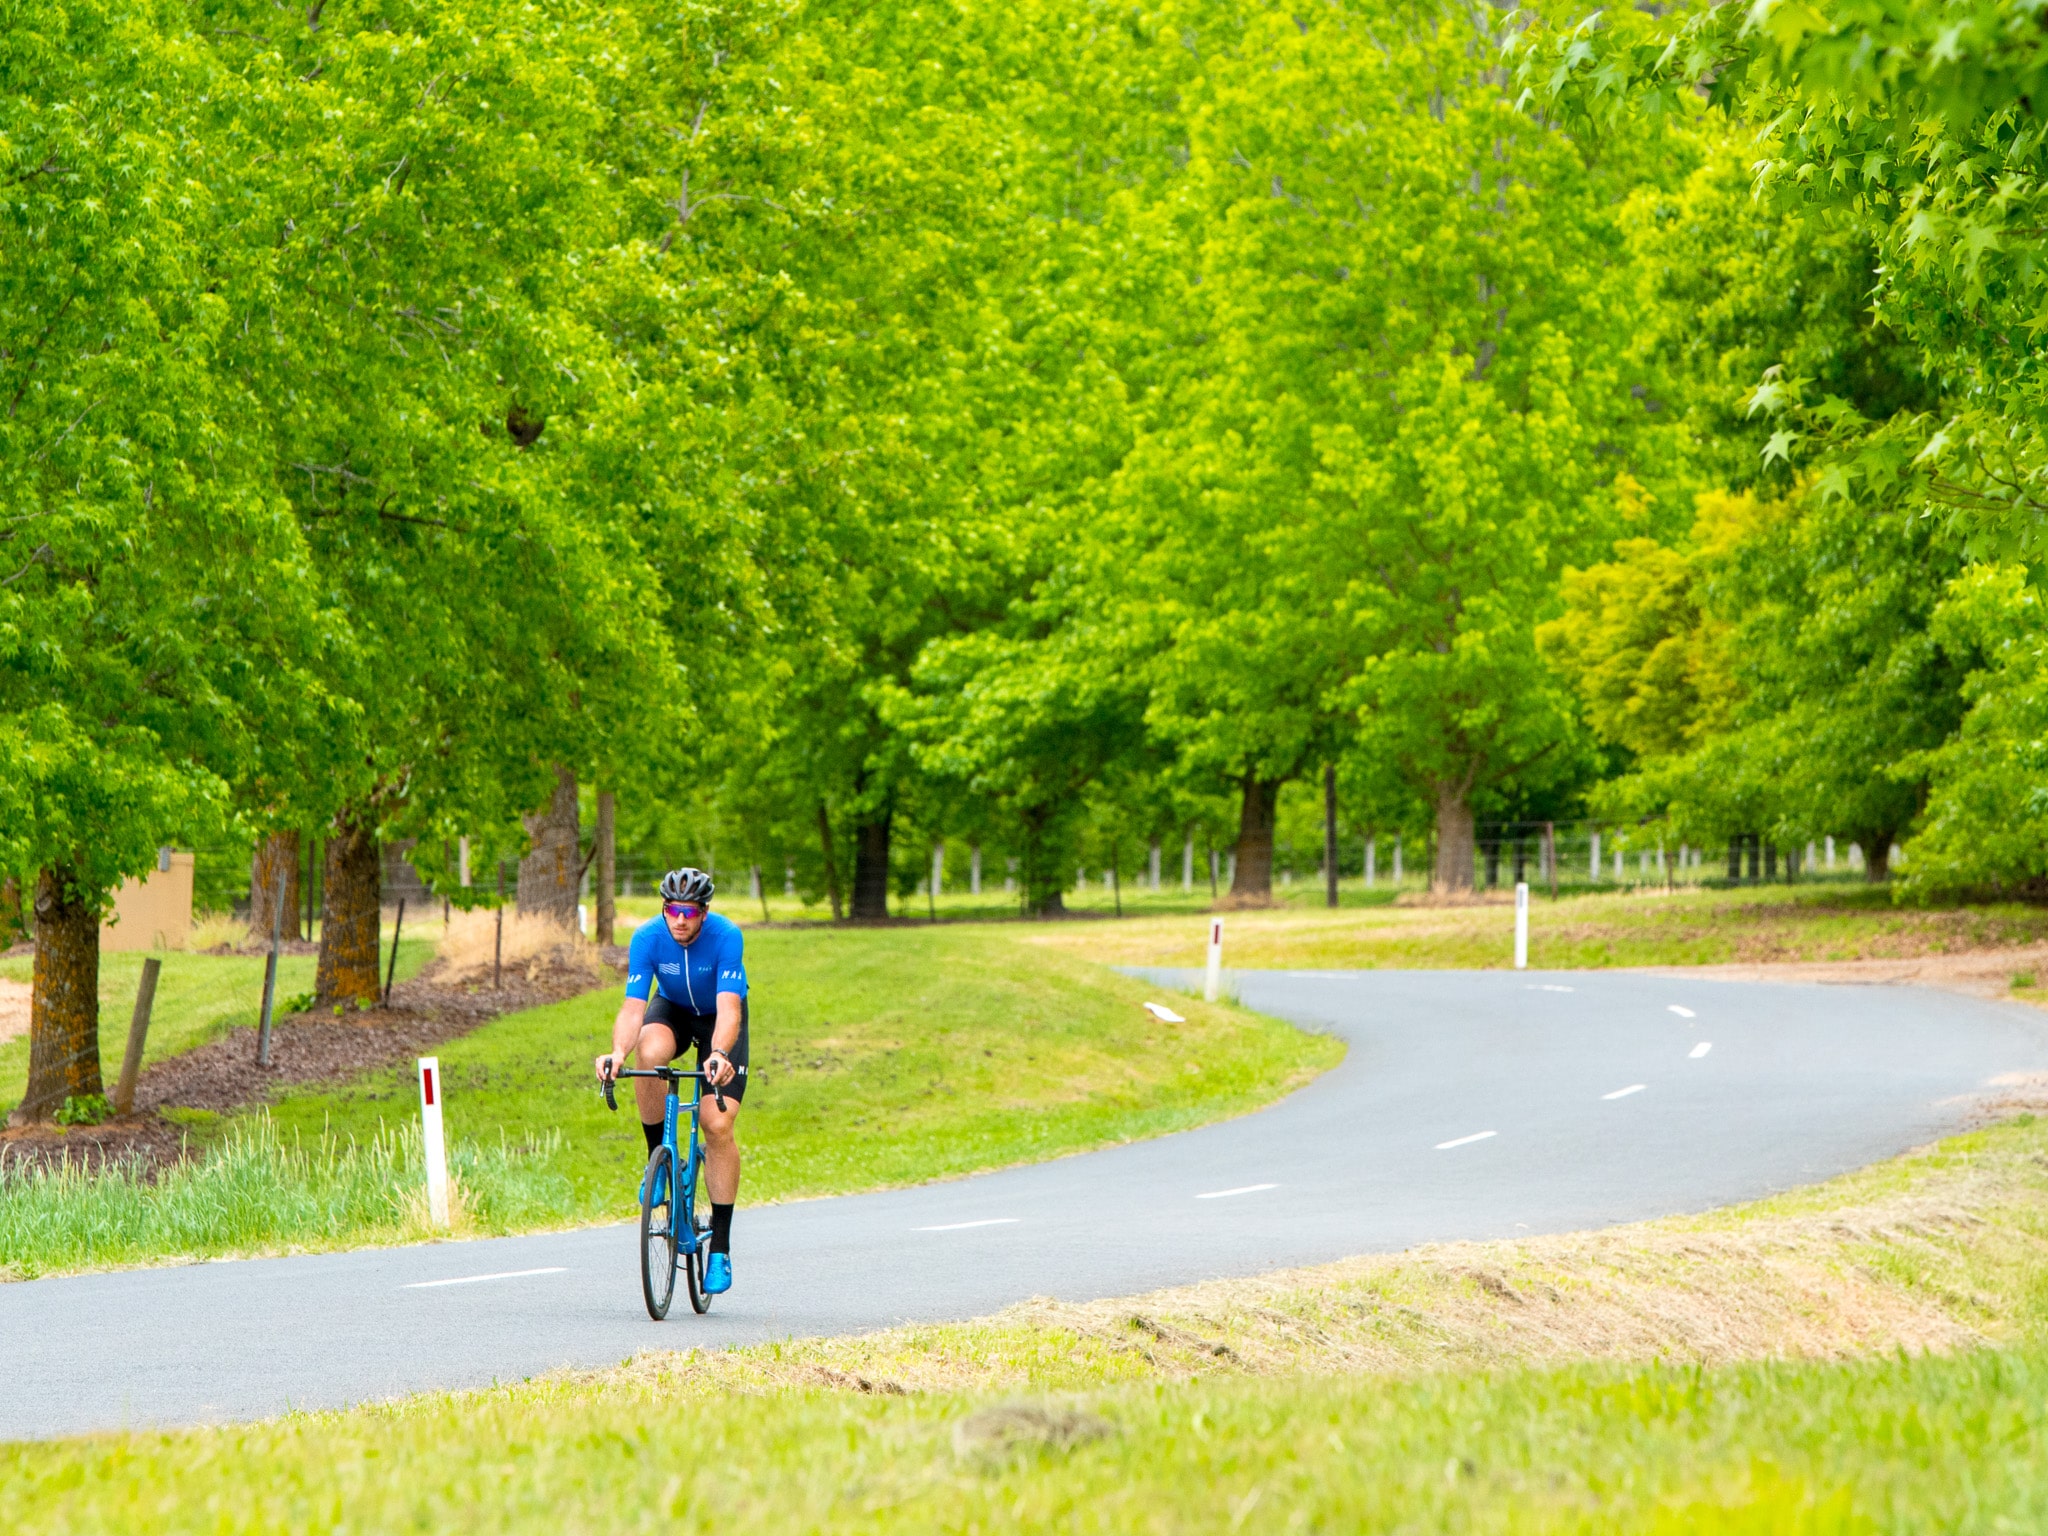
x=154 y=912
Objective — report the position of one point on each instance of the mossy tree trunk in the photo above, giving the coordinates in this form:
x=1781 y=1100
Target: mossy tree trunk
x=607 y=866
x=275 y=860
x=351 y=910
x=64 y=1010
x=553 y=866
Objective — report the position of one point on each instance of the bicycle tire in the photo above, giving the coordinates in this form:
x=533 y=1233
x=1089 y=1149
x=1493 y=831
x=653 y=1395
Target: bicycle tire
x=693 y=1262
x=658 y=1234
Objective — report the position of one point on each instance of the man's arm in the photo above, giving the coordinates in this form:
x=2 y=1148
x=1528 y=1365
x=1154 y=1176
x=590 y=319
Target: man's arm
x=626 y=1032
x=725 y=1034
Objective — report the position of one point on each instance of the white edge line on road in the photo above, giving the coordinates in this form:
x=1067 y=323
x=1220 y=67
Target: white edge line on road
x=1465 y=1141
x=1242 y=1189
x=962 y=1226
x=1544 y=986
x=1700 y=1050
x=510 y=1274
x=1622 y=1093
x=1682 y=1011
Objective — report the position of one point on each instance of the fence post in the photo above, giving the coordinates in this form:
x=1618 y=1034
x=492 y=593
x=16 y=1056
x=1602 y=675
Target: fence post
x=138 y=1028
x=1521 y=925
x=270 y=975
x=432 y=1141
x=1215 y=977
x=391 y=972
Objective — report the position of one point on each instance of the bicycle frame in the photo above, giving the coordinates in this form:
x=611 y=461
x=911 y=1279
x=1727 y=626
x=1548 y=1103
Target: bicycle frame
x=688 y=1236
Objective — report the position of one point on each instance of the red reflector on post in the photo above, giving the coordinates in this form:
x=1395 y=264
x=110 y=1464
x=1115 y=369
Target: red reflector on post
x=427 y=1083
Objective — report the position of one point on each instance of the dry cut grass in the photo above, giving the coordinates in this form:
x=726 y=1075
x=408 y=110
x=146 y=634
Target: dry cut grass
x=532 y=945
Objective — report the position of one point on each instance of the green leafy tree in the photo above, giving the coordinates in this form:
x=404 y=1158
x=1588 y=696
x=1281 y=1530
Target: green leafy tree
x=154 y=606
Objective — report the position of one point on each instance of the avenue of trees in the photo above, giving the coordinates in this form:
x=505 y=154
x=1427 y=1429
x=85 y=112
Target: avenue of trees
x=819 y=431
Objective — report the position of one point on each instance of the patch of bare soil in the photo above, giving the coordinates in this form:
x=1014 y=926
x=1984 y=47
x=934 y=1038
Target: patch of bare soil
x=1975 y=972
x=222 y=1075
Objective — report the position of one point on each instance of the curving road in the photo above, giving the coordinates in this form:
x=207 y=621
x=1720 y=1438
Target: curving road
x=1471 y=1105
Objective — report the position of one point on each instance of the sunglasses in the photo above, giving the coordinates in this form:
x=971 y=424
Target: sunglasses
x=684 y=909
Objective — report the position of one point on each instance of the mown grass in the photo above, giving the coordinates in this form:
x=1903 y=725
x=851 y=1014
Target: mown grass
x=880 y=1057
x=198 y=998
x=1934 y=1444
x=1818 y=922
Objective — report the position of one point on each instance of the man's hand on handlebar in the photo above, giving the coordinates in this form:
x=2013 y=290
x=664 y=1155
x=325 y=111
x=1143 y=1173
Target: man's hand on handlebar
x=607 y=1066
x=718 y=1069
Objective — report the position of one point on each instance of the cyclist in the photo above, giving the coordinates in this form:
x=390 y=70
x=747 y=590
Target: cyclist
x=690 y=960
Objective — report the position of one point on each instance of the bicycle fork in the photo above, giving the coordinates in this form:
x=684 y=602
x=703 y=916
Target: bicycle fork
x=683 y=1216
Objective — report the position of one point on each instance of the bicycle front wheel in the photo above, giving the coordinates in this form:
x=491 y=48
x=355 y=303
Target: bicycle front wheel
x=658 y=1233
x=693 y=1262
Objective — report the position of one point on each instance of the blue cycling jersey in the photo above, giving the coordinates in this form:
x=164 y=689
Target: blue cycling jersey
x=689 y=976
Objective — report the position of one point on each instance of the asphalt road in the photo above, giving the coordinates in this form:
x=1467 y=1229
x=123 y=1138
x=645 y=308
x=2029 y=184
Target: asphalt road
x=1471 y=1105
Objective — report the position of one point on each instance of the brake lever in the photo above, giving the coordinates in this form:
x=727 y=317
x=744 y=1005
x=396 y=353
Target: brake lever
x=611 y=1101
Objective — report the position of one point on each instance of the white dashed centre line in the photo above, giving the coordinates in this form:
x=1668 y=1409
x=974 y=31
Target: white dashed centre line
x=1701 y=1049
x=1242 y=1189
x=1465 y=1141
x=510 y=1274
x=1683 y=1012
x=1622 y=1093
x=962 y=1226
x=1544 y=986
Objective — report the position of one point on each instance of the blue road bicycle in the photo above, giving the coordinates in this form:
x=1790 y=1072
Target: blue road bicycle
x=672 y=1235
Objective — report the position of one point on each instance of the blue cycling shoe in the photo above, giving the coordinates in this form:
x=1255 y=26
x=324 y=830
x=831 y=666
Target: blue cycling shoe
x=717 y=1274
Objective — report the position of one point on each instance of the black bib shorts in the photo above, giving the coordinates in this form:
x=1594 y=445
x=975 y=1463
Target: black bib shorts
x=695 y=1029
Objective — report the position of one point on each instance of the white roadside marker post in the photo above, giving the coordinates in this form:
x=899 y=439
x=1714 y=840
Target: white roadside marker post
x=1215 y=960
x=431 y=1139
x=1521 y=925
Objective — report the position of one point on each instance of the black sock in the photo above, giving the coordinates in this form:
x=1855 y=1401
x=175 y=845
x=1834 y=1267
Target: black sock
x=653 y=1132
x=721 y=1228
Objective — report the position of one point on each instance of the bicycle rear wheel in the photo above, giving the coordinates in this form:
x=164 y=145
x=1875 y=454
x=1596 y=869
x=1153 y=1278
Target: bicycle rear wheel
x=693 y=1262
x=658 y=1233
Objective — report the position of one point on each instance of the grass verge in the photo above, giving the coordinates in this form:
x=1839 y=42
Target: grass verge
x=1591 y=1383
x=880 y=1057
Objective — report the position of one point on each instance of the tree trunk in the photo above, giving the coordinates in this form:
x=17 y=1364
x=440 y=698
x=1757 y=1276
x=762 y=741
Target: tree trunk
x=1329 y=837
x=351 y=909
x=831 y=864
x=64 y=1008
x=1044 y=878
x=1455 y=848
x=871 y=870
x=1877 y=857
x=1252 y=877
x=276 y=856
x=607 y=866
x=11 y=925
x=552 y=868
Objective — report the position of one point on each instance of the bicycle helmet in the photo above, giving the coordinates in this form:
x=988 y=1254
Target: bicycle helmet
x=687 y=884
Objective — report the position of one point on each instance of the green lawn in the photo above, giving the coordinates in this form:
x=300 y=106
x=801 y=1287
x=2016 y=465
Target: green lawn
x=880 y=1057
x=198 y=997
